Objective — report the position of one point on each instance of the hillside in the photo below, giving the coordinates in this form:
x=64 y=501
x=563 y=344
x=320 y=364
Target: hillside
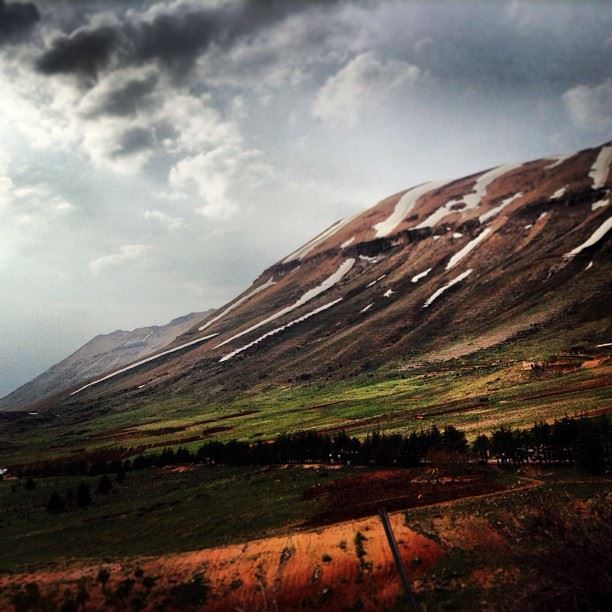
x=439 y=271
x=101 y=354
x=471 y=302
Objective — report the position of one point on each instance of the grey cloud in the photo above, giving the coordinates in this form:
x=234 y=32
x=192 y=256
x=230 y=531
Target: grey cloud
x=133 y=141
x=85 y=51
x=122 y=97
x=174 y=36
x=16 y=18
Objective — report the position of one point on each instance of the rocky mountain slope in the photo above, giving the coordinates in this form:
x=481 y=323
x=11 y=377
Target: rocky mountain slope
x=440 y=271
x=101 y=354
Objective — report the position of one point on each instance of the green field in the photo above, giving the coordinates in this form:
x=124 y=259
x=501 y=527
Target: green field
x=473 y=395
x=153 y=512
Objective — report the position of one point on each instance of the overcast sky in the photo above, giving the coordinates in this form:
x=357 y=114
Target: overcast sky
x=155 y=157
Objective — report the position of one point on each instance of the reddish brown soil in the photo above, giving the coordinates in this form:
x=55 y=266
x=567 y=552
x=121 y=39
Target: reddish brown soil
x=364 y=494
x=317 y=569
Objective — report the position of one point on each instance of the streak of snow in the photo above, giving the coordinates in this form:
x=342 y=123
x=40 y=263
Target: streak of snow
x=589 y=266
x=388 y=293
x=317 y=240
x=559 y=193
x=457 y=234
x=371 y=284
x=329 y=282
x=448 y=285
x=600 y=203
x=601 y=167
x=497 y=209
x=604 y=344
x=142 y=361
x=369 y=259
x=557 y=161
x=472 y=244
x=280 y=329
x=347 y=242
x=595 y=237
x=437 y=215
x=417 y=277
x=542 y=215
x=403 y=207
x=366 y=308
x=436 y=237
x=471 y=200
x=529 y=226
x=237 y=303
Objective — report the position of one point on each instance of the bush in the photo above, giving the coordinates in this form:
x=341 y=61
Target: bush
x=190 y=595
x=56 y=504
x=83 y=496
x=105 y=486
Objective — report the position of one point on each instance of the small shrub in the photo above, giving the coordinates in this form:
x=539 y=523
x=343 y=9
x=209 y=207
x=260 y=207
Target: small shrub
x=105 y=486
x=56 y=504
x=189 y=595
x=83 y=496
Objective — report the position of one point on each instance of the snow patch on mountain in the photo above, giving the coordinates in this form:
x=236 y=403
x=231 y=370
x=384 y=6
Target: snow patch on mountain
x=557 y=161
x=403 y=207
x=317 y=240
x=417 y=277
x=600 y=203
x=472 y=199
x=448 y=285
x=328 y=283
x=601 y=167
x=497 y=209
x=559 y=193
x=143 y=361
x=237 y=303
x=470 y=246
x=280 y=329
x=595 y=237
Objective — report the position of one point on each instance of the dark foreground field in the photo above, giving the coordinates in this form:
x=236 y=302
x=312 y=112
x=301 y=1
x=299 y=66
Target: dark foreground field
x=197 y=537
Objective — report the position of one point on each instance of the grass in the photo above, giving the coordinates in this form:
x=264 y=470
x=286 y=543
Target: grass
x=152 y=513
x=475 y=395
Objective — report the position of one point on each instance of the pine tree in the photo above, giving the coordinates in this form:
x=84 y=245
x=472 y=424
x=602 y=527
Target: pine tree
x=105 y=486
x=56 y=504
x=83 y=496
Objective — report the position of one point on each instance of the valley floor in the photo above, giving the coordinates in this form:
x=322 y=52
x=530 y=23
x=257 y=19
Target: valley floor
x=503 y=540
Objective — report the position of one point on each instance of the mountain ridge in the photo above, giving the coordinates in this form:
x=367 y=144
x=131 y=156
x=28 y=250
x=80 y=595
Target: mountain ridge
x=97 y=355
x=436 y=266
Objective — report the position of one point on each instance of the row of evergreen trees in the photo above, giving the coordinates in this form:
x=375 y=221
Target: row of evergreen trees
x=585 y=441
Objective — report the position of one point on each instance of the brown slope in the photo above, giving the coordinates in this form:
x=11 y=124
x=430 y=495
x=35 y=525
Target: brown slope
x=101 y=354
x=524 y=219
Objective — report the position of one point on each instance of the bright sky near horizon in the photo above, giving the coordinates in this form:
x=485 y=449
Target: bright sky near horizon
x=156 y=156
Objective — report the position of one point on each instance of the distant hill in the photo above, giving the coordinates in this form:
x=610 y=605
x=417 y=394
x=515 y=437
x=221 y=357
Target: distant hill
x=101 y=354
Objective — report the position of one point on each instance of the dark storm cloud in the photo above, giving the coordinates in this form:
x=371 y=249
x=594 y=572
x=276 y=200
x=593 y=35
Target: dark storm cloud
x=173 y=37
x=85 y=51
x=16 y=18
x=133 y=141
x=125 y=98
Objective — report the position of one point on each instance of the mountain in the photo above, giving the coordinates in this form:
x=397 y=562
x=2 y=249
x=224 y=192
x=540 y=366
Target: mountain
x=440 y=271
x=101 y=354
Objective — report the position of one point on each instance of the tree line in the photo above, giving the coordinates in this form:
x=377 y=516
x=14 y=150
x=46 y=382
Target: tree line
x=568 y=441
